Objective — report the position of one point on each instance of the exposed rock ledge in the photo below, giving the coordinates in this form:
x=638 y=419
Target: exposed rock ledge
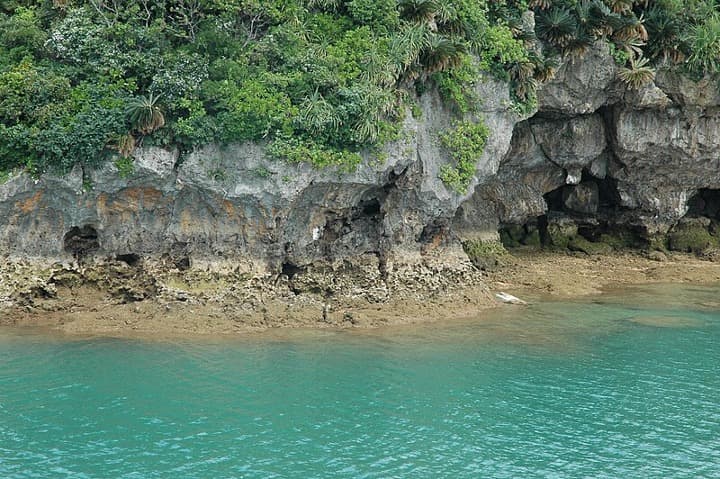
x=595 y=161
x=107 y=299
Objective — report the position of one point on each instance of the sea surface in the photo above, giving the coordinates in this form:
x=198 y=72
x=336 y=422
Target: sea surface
x=625 y=385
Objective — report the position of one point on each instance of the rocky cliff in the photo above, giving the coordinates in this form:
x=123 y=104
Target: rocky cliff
x=596 y=161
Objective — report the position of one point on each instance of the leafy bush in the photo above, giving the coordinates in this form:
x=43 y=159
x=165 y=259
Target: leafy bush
x=321 y=80
x=296 y=150
x=466 y=143
x=125 y=166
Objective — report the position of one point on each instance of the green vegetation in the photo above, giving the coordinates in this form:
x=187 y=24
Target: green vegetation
x=144 y=115
x=578 y=243
x=125 y=166
x=515 y=236
x=641 y=33
x=319 y=81
x=638 y=73
x=466 y=143
x=486 y=255
x=693 y=236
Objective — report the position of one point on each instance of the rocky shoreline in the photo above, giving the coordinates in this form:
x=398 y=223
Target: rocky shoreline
x=114 y=298
x=117 y=297
x=224 y=238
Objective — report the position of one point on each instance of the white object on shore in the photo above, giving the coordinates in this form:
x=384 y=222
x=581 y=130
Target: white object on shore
x=509 y=298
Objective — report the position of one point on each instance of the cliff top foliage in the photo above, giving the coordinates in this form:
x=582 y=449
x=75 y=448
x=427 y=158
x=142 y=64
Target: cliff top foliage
x=319 y=80
x=641 y=33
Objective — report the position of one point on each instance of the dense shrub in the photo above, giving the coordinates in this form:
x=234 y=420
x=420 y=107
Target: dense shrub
x=683 y=33
x=318 y=80
x=465 y=143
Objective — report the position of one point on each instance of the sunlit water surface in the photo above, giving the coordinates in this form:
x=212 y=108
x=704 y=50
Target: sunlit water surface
x=625 y=386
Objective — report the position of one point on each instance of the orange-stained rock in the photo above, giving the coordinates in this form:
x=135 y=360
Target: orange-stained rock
x=29 y=204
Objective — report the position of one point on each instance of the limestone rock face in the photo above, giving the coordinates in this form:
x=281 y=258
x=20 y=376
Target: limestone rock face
x=594 y=153
x=572 y=143
x=236 y=204
x=581 y=86
x=583 y=198
x=596 y=150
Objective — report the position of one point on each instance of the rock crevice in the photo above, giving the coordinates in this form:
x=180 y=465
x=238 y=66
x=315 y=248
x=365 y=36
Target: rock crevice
x=595 y=157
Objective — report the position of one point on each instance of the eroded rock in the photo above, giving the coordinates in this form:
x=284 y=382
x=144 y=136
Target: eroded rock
x=595 y=158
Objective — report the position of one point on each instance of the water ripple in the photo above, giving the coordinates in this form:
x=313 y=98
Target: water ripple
x=571 y=390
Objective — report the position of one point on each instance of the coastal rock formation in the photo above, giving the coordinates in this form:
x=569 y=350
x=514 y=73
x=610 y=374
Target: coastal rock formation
x=236 y=203
x=605 y=158
x=594 y=158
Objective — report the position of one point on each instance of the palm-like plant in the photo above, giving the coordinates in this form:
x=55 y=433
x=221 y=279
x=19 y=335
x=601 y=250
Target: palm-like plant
x=125 y=145
x=522 y=75
x=631 y=47
x=664 y=28
x=378 y=69
x=704 y=42
x=327 y=5
x=632 y=29
x=445 y=12
x=419 y=11
x=638 y=74
x=318 y=115
x=593 y=16
x=700 y=9
x=449 y=23
x=545 y=67
x=620 y=6
x=556 y=25
x=144 y=115
x=540 y=4
x=579 y=44
x=441 y=54
x=372 y=107
x=405 y=50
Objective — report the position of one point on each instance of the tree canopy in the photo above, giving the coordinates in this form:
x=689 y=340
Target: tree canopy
x=318 y=80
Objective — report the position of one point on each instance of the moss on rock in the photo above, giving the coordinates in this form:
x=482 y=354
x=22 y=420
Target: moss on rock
x=578 y=243
x=486 y=255
x=692 y=236
x=657 y=242
x=560 y=234
x=510 y=236
x=622 y=240
x=532 y=238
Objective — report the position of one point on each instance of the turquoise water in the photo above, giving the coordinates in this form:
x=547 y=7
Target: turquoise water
x=622 y=387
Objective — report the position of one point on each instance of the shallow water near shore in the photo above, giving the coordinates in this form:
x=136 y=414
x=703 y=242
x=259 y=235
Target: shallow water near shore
x=626 y=384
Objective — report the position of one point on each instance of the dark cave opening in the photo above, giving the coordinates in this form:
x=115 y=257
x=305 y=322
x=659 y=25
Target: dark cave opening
x=706 y=202
x=589 y=197
x=81 y=241
x=531 y=233
x=698 y=231
x=130 y=259
x=608 y=195
x=554 y=199
x=360 y=224
x=182 y=263
x=291 y=269
x=589 y=211
x=369 y=208
x=434 y=232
